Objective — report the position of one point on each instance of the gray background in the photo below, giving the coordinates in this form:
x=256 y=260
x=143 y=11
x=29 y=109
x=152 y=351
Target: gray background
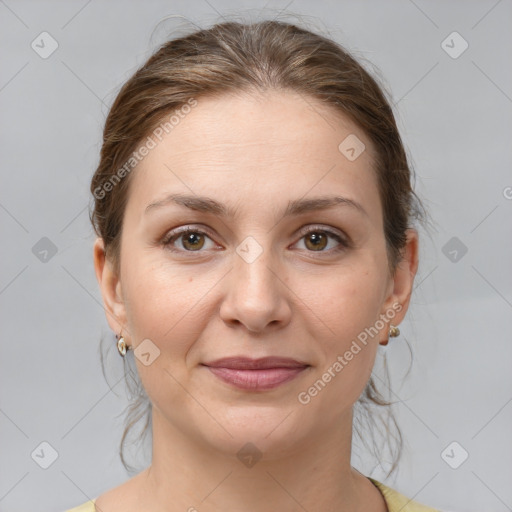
x=455 y=117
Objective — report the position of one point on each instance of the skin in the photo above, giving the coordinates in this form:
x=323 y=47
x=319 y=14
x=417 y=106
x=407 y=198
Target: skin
x=254 y=153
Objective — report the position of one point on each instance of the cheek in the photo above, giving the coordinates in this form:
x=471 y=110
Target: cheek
x=166 y=303
x=345 y=301
x=164 y=307
x=344 y=311
x=348 y=353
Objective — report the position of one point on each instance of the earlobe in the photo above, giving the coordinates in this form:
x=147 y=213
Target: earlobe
x=110 y=287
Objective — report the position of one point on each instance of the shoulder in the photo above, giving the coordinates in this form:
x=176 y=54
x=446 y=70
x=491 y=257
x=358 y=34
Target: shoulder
x=398 y=502
x=395 y=501
x=125 y=497
x=84 y=507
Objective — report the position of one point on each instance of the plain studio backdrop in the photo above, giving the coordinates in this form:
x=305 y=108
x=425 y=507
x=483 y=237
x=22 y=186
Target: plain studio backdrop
x=445 y=65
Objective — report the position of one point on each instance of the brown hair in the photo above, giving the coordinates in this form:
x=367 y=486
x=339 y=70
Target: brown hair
x=233 y=57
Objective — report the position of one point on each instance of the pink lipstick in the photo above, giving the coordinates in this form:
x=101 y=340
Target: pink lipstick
x=256 y=374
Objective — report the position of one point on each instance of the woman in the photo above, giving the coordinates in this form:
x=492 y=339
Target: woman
x=255 y=246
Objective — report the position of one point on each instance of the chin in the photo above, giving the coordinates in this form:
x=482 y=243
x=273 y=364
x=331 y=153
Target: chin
x=274 y=431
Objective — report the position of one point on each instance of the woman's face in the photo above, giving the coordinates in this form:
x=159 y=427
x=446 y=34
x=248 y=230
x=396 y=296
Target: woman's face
x=251 y=282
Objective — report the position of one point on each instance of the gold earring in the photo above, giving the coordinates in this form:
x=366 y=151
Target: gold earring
x=393 y=332
x=121 y=345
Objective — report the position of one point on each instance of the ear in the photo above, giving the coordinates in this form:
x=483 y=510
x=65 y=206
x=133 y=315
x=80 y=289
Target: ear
x=400 y=287
x=110 y=286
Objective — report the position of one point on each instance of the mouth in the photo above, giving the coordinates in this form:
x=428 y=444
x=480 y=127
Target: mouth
x=256 y=374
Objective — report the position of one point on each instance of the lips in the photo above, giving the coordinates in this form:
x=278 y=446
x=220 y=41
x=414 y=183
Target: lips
x=245 y=363
x=256 y=374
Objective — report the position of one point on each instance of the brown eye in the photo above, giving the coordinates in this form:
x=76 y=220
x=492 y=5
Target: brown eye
x=316 y=240
x=192 y=240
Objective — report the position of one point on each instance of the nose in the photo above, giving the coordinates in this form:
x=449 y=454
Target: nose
x=257 y=296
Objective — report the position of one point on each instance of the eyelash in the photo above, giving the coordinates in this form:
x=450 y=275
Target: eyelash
x=169 y=238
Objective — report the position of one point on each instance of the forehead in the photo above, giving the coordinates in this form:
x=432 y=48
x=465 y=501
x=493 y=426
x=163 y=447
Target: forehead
x=274 y=146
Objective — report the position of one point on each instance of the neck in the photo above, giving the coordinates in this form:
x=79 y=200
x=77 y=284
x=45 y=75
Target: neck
x=188 y=475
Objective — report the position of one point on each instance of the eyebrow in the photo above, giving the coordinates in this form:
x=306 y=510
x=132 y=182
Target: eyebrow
x=295 y=207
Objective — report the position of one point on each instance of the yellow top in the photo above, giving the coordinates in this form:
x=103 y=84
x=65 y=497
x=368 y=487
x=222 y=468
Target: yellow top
x=395 y=501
